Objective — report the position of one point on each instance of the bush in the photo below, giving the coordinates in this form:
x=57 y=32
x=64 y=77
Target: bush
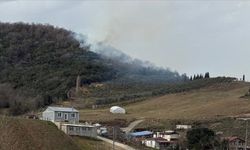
x=201 y=138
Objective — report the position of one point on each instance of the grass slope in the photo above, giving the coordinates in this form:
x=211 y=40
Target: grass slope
x=25 y=134
x=93 y=144
x=214 y=102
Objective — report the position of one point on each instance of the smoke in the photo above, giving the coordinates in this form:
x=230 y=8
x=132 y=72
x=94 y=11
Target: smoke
x=129 y=68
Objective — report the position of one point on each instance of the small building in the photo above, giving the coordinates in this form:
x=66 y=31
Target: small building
x=183 y=127
x=159 y=143
x=138 y=136
x=234 y=143
x=61 y=114
x=117 y=110
x=79 y=130
x=168 y=135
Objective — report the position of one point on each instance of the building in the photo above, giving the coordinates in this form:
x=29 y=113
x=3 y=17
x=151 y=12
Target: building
x=139 y=136
x=168 y=135
x=235 y=143
x=183 y=127
x=159 y=143
x=79 y=130
x=61 y=114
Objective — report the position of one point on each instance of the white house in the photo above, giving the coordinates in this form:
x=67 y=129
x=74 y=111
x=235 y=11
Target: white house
x=159 y=143
x=79 y=130
x=168 y=135
x=185 y=127
x=61 y=114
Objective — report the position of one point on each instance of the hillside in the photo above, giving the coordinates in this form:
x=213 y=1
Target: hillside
x=43 y=61
x=39 y=65
x=24 y=134
x=216 y=101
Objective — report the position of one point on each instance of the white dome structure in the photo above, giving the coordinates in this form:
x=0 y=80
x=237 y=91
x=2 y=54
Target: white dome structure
x=117 y=110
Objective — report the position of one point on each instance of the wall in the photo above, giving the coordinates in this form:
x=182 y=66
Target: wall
x=70 y=118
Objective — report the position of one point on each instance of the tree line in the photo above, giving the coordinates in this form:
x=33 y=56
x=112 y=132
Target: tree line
x=199 y=76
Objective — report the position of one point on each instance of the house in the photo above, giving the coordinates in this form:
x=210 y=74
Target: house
x=168 y=135
x=183 y=127
x=159 y=143
x=61 y=114
x=79 y=130
x=234 y=143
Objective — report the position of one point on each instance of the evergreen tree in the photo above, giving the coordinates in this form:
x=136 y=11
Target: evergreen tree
x=201 y=76
x=191 y=78
x=207 y=75
x=194 y=78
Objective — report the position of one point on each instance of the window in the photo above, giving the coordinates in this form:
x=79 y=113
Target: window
x=73 y=115
x=71 y=128
x=59 y=114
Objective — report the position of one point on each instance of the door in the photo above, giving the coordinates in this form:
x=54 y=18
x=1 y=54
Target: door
x=65 y=116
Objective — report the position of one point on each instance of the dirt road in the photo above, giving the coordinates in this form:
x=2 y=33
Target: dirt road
x=117 y=144
x=131 y=126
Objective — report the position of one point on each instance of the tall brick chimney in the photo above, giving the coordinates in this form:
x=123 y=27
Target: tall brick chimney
x=78 y=84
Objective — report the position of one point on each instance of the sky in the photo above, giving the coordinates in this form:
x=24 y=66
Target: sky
x=189 y=36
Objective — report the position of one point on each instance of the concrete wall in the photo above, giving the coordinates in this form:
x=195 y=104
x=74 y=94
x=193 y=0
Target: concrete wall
x=80 y=130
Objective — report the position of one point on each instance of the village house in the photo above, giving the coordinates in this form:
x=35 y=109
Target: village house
x=61 y=114
x=139 y=136
x=79 y=130
x=183 y=127
x=168 y=135
x=235 y=143
x=159 y=143
x=67 y=120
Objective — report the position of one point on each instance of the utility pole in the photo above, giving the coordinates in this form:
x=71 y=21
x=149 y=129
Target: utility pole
x=246 y=132
x=113 y=138
x=246 y=135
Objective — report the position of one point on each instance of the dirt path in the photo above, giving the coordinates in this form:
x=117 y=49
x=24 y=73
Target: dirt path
x=131 y=126
x=117 y=144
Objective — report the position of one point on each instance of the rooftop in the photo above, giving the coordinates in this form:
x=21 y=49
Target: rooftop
x=63 y=109
x=79 y=125
x=160 y=140
x=233 y=138
x=142 y=133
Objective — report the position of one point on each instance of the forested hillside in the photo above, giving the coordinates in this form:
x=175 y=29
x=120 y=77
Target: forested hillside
x=43 y=61
x=39 y=65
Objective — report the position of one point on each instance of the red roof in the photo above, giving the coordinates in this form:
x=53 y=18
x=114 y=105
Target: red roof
x=233 y=138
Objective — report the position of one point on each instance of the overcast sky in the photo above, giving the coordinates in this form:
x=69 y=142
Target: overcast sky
x=190 y=36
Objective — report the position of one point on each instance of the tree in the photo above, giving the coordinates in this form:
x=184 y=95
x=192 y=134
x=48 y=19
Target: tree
x=191 y=78
x=201 y=76
x=207 y=75
x=201 y=138
x=194 y=78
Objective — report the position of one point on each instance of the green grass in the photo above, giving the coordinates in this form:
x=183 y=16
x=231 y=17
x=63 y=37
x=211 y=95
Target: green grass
x=26 y=134
x=86 y=143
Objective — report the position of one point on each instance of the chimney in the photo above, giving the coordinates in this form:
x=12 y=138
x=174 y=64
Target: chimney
x=78 y=84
